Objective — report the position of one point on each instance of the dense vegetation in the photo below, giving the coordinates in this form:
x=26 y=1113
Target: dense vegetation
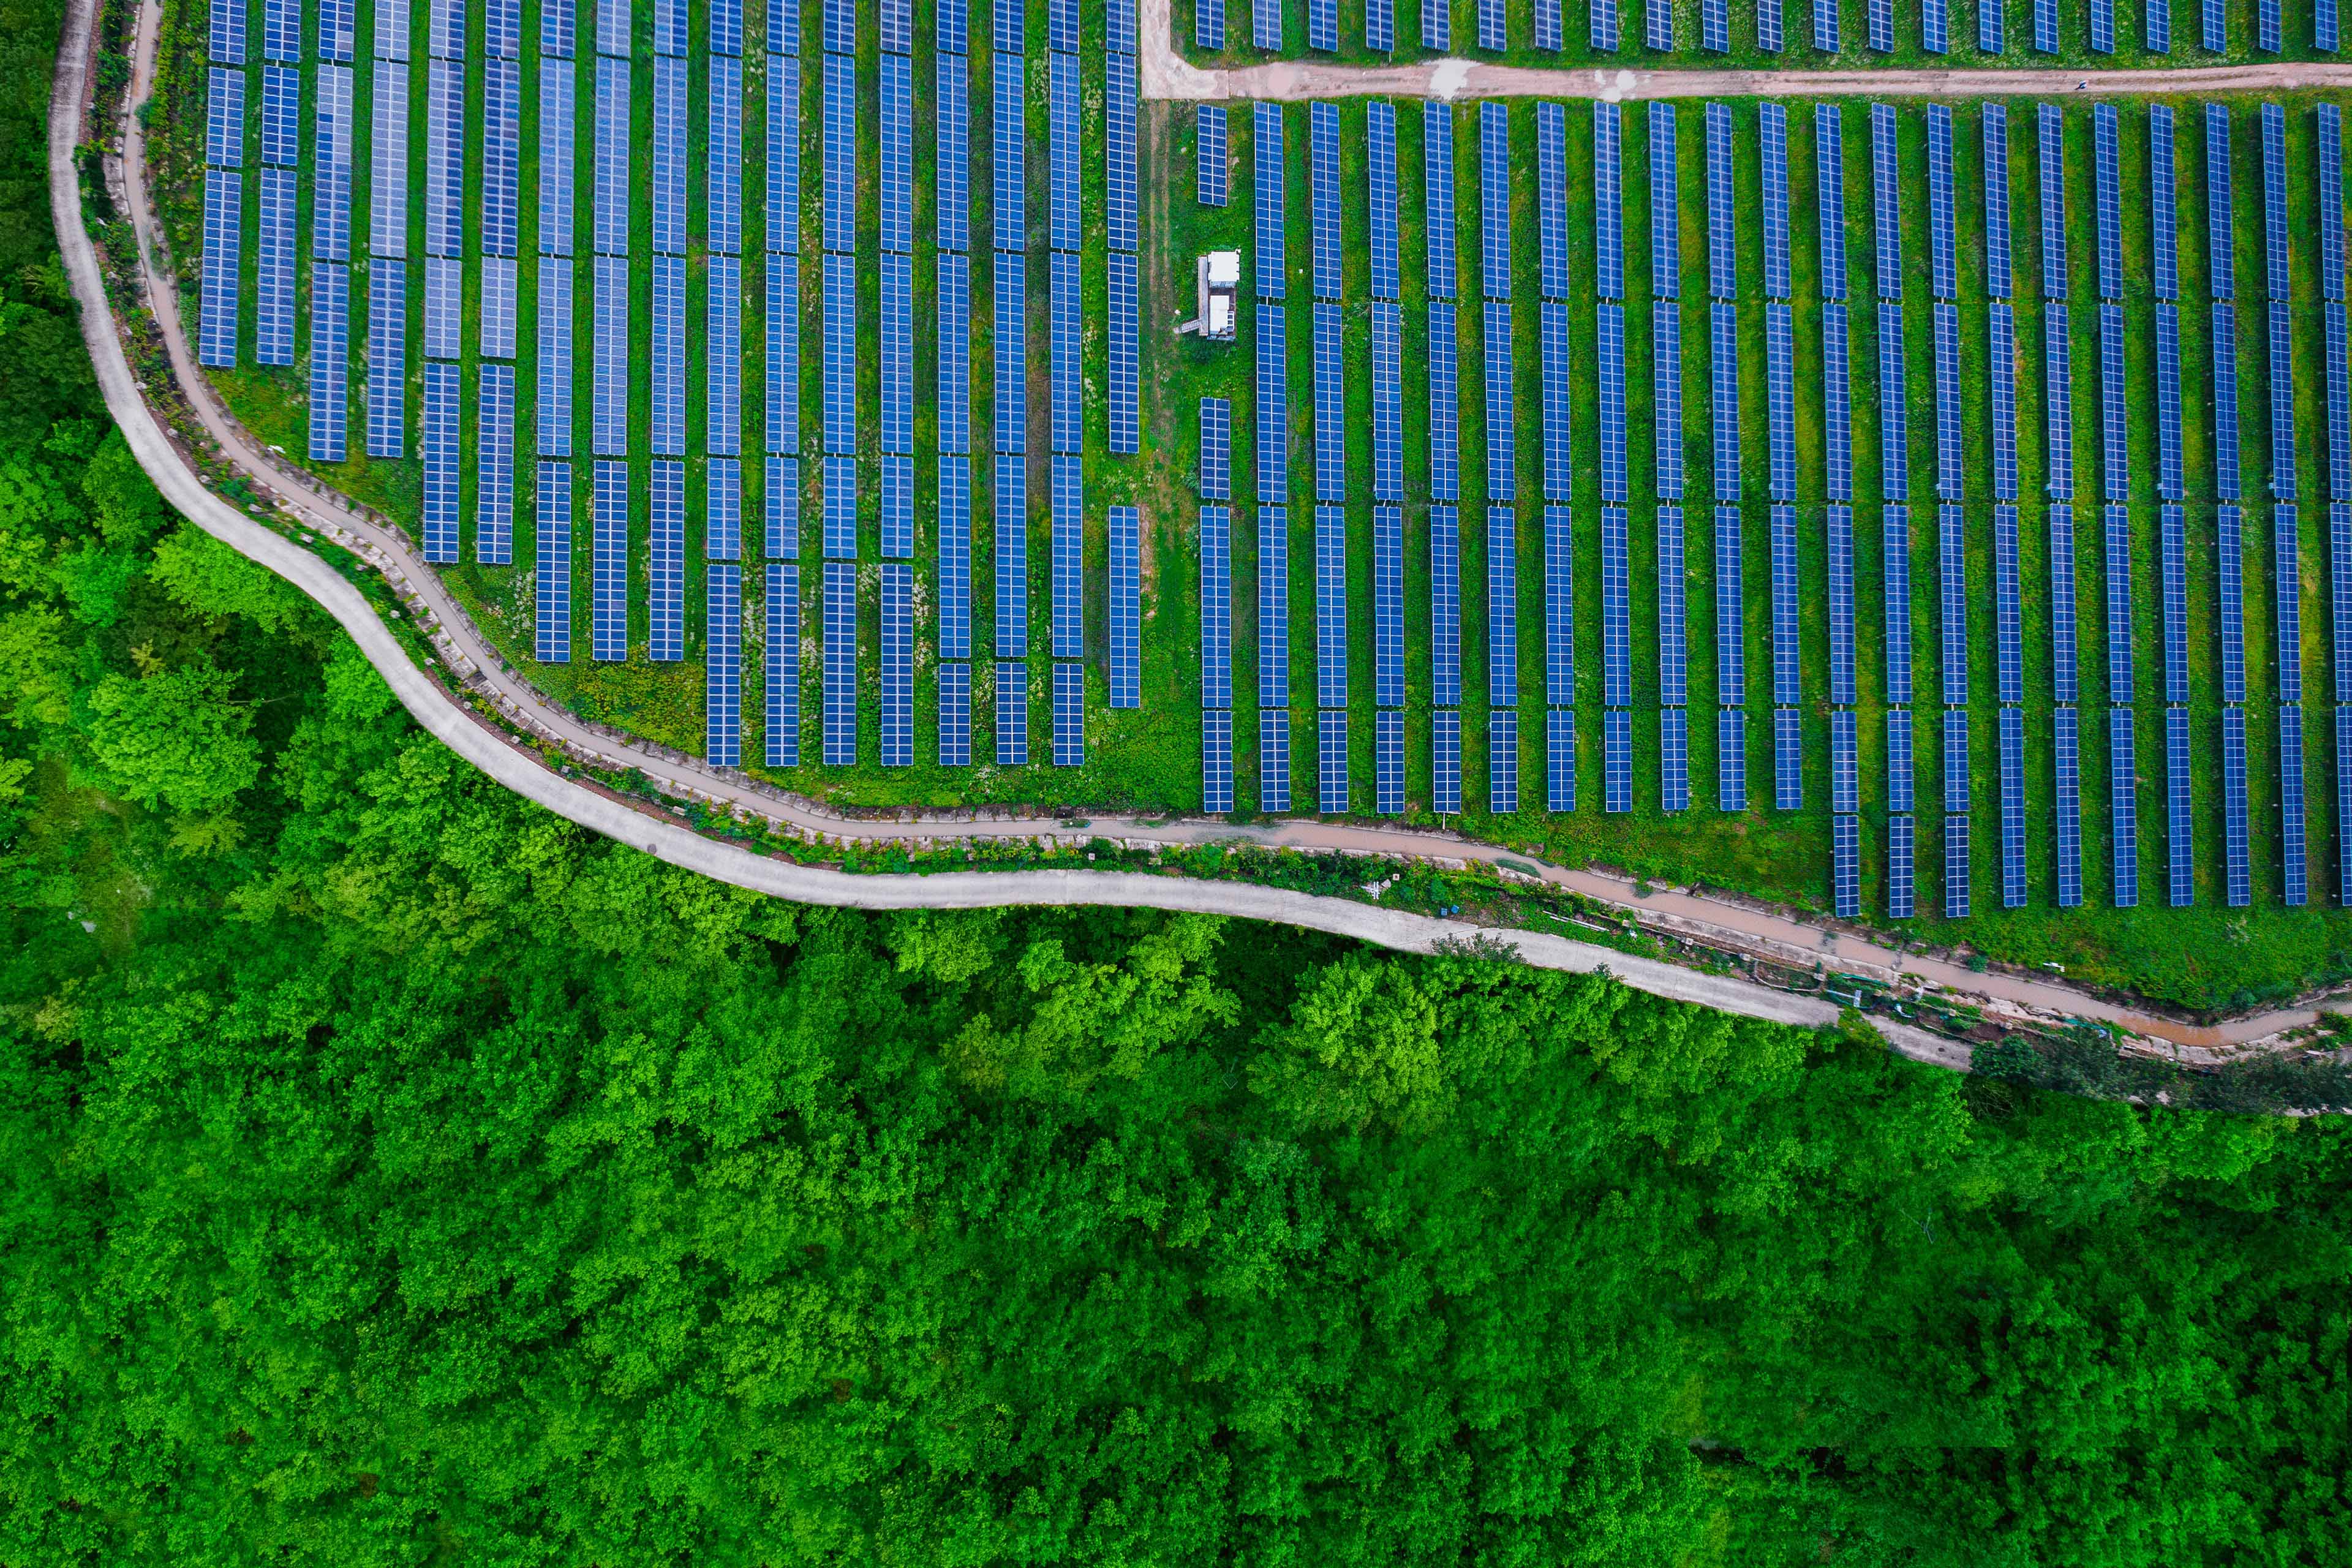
x=389 y=1173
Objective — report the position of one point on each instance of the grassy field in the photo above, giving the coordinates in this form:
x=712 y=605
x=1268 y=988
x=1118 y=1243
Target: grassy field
x=1149 y=758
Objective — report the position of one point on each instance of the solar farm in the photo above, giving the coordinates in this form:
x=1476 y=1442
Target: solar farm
x=1717 y=488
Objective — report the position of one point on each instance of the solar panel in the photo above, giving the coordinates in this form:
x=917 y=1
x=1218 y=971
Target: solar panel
x=782 y=490
x=552 y=385
x=952 y=165
x=837 y=507
x=1722 y=256
x=2267 y=25
x=1209 y=30
x=1665 y=213
x=2331 y=202
x=1490 y=24
x=1210 y=154
x=281 y=103
x=1895 y=536
x=666 y=563
x=444 y=156
x=330 y=160
x=1616 y=612
x=1330 y=400
x=558 y=26
x=1899 y=762
x=1330 y=607
x=1942 y=244
x=1559 y=759
x=1608 y=213
x=1674 y=759
x=1388 y=606
x=897 y=154
x=954 y=733
x=1010 y=338
x=437 y=445
x=1387 y=401
x=609 y=562
x=783 y=107
x=1381 y=158
x=1612 y=333
x=2220 y=238
x=1879 y=17
x=1445 y=762
x=1124 y=666
x=1715 y=25
x=2223 y=342
x=1009 y=15
x=783 y=355
x=1558 y=455
x=498 y=285
x=2238 y=881
x=840 y=427
x=1379 y=35
x=668 y=356
x=1265 y=140
x=551 y=551
x=1216 y=449
x=1845 y=862
x=1065 y=224
x=386 y=357
x=1445 y=473
x=1845 y=771
x=1616 y=760
x=1119 y=151
x=2066 y=810
x=1996 y=200
x=839 y=676
x=331 y=362
x=2045 y=26
x=1887 y=201
x=444 y=281
x=1274 y=606
x=388 y=161
x=1673 y=678
x=1124 y=392
x=2156 y=26
x=1952 y=580
x=2281 y=391
x=2169 y=484
x=1446 y=605
x=2114 y=449
x=1787 y=678
x=2107 y=176
x=1274 y=761
x=1323 y=194
x=1011 y=715
x=1773 y=120
x=1826 y=25
x=1837 y=408
x=896 y=518
x=2123 y=807
x=1502 y=402
x=2058 y=401
x=1667 y=406
x=1788 y=759
x=610 y=233
x=1011 y=565
x=1494 y=199
x=898 y=664
x=1839 y=529
x=2008 y=619
x=494 y=468
x=1273 y=406
x=501 y=157
x=1069 y=501
x=722 y=677
x=273 y=337
x=2063 y=684
x=2229 y=546
x=1658 y=25
x=1724 y=364
x=2050 y=132
x=1551 y=199
x=1216 y=761
x=1893 y=421
x=1217 y=608
x=2287 y=603
x=840 y=163
x=1601 y=26
x=1828 y=168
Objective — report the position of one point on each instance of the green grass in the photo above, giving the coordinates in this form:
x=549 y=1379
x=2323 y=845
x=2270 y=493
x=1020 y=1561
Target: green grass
x=1149 y=759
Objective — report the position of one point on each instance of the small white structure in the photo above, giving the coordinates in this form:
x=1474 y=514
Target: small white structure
x=1218 y=278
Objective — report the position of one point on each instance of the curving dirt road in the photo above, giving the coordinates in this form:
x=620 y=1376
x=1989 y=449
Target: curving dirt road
x=471 y=658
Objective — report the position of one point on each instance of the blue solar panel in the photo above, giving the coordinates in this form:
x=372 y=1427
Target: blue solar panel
x=1611 y=323
x=1551 y=199
x=1722 y=236
x=498 y=285
x=1274 y=606
x=952 y=167
x=1265 y=139
x=783 y=355
x=1323 y=194
x=1899 y=762
x=2008 y=618
x=1216 y=449
x=558 y=26
x=668 y=356
x=954 y=361
x=1558 y=455
x=2339 y=581
x=1119 y=151
x=1845 y=768
x=611 y=204
x=494 y=486
x=1380 y=36
x=1616 y=760
x=2114 y=448
x=1490 y=24
x=445 y=157
x=1010 y=340
x=1952 y=582
x=1124 y=666
x=2066 y=812
x=1839 y=529
x=273 y=303
x=1381 y=136
x=1387 y=401
x=1494 y=200
x=1826 y=25
x=1787 y=671
x=1559 y=760
x=666 y=563
x=1956 y=865
x=896 y=517
x=1444 y=407
x=1217 y=608
x=1667 y=405
x=1445 y=762
x=1560 y=605
x=609 y=559
x=1009 y=19
x=2287 y=603
x=954 y=733
x=837 y=507
x=782 y=490
x=551 y=630
x=897 y=684
x=1773 y=120
x=444 y=281
x=2169 y=483
x=1330 y=403
x=1503 y=603
x=2222 y=340
x=2058 y=402
x=1673 y=677
x=1894 y=537
x=783 y=164
x=1331 y=762
x=2221 y=236
x=1502 y=402
x=2001 y=356
x=1665 y=210
x=1845 y=863
x=1608 y=214
x=1879 y=17
x=2238 y=881
x=2282 y=390
x=437 y=445
x=840 y=158
x=1123 y=412
x=1330 y=607
x=2156 y=26
x=840 y=424
x=1601 y=24
x=1216 y=759
x=839 y=611
x=553 y=383
x=1724 y=364
x=1388 y=763
x=1837 y=408
x=1658 y=25
x=1715 y=25
x=897 y=154
x=1887 y=201
x=1788 y=759
x=1780 y=400
x=1388 y=606
x=1996 y=200
x=281 y=106
x=386 y=359
x=1942 y=244
x=330 y=159
x=224 y=235
x=330 y=305
x=501 y=157
x=1067 y=498
x=1011 y=715
x=1894 y=420
x=2107 y=194
x=2123 y=807
x=227 y=27
x=1064 y=220
x=1011 y=565
x=2062 y=682
x=1273 y=405
x=1210 y=154
x=2331 y=202
x=1674 y=759
x=1446 y=605
x=2267 y=35
x=2051 y=141
x=2012 y=808
x=722 y=677
x=1828 y=168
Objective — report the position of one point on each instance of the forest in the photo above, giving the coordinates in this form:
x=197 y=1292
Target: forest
x=392 y=1173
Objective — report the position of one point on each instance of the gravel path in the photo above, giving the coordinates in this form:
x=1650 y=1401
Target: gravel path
x=469 y=657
